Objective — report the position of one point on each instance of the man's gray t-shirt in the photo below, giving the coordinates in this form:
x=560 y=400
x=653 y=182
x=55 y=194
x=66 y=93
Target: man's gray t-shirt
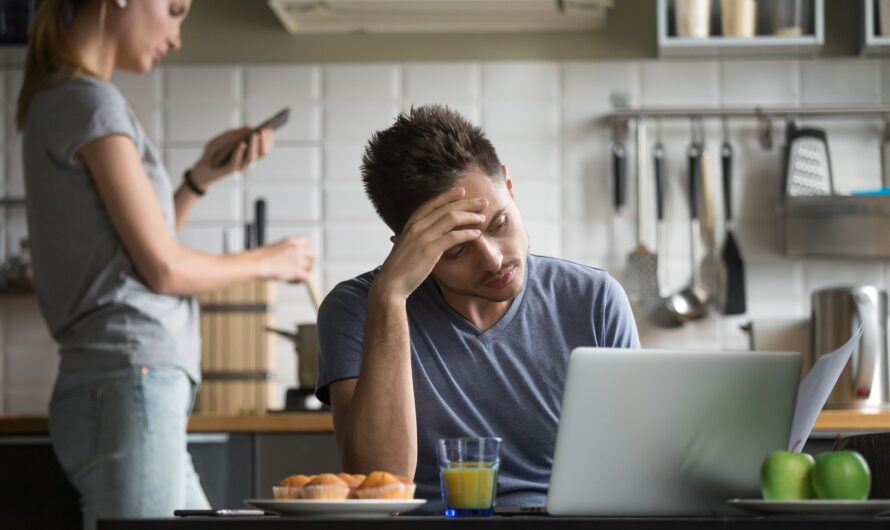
x=96 y=306
x=506 y=381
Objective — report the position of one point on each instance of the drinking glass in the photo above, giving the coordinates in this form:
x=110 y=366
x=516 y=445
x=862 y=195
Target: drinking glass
x=468 y=469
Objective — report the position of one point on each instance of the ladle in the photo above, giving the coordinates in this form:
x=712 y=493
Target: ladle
x=691 y=302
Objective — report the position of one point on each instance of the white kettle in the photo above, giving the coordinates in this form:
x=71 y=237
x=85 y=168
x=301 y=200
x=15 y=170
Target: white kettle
x=836 y=313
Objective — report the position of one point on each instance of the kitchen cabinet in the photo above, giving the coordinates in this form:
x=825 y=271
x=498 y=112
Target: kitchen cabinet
x=762 y=44
x=34 y=493
x=874 y=43
x=277 y=455
x=232 y=466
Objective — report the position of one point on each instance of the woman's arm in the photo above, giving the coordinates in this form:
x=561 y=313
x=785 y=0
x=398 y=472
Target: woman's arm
x=166 y=266
x=184 y=200
x=203 y=173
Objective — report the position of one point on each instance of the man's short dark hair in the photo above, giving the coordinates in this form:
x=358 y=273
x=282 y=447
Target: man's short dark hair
x=426 y=152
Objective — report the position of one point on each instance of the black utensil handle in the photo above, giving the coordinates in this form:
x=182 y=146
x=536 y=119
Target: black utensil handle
x=694 y=155
x=726 y=159
x=619 y=170
x=259 y=209
x=659 y=184
x=249 y=236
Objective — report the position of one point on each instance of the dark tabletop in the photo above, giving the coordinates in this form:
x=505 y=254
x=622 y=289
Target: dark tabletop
x=498 y=522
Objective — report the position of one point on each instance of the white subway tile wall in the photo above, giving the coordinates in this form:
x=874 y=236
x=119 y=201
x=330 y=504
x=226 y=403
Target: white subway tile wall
x=441 y=83
x=764 y=82
x=840 y=81
x=542 y=118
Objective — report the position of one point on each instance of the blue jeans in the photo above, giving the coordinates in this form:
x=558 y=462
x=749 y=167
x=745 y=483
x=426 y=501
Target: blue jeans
x=120 y=436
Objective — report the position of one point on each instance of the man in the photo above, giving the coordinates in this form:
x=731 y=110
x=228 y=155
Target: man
x=461 y=332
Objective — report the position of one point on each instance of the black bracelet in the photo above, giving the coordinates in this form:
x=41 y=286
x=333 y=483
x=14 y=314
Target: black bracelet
x=191 y=184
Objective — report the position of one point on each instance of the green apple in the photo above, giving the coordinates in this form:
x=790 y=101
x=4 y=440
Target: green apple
x=841 y=475
x=786 y=476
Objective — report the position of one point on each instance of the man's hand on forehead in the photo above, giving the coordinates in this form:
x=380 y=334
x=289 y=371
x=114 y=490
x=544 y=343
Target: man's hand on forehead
x=445 y=221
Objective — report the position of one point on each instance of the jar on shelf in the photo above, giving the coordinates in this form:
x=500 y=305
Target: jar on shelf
x=738 y=18
x=693 y=18
x=789 y=17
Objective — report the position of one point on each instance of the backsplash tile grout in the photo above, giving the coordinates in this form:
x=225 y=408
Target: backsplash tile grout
x=544 y=129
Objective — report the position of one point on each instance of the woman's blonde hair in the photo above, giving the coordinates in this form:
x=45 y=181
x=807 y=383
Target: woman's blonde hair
x=51 y=59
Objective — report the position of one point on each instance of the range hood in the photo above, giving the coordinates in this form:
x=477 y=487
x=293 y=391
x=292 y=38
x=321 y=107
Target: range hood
x=417 y=16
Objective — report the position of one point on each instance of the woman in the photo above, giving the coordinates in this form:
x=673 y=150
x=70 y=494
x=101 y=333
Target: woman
x=114 y=286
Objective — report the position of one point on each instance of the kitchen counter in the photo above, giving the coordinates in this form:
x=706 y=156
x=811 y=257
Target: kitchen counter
x=248 y=423
x=852 y=420
x=829 y=421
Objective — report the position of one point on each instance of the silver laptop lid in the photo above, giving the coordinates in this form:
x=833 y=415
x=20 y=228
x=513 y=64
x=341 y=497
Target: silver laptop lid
x=670 y=432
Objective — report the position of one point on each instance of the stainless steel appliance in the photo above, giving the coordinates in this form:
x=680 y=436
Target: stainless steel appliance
x=836 y=313
x=305 y=341
x=885 y=150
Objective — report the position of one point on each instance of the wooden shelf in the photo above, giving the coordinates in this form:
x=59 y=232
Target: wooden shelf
x=873 y=44
x=670 y=45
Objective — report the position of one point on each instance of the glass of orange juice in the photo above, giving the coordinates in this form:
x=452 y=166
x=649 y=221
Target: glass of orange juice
x=468 y=468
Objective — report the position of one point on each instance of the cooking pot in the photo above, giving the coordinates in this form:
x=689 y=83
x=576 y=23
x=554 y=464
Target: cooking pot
x=305 y=340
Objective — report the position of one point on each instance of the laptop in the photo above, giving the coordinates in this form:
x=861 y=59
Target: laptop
x=668 y=432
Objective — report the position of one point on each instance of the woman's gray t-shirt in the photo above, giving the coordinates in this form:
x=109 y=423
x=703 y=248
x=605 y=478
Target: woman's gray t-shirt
x=506 y=381
x=98 y=309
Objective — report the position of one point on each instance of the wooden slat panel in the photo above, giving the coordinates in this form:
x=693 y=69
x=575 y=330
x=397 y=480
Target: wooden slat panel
x=236 y=341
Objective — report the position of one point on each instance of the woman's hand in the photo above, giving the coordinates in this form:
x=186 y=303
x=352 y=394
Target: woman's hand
x=249 y=146
x=289 y=260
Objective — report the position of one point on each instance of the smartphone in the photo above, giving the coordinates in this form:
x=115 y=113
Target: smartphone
x=218 y=512
x=223 y=156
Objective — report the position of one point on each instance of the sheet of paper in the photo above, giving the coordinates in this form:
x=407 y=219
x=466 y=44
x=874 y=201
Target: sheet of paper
x=815 y=388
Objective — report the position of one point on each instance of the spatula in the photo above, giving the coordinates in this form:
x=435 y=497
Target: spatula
x=734 y=269
x=641 y=273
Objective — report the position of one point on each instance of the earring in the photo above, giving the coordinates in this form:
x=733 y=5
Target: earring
x=121 y=3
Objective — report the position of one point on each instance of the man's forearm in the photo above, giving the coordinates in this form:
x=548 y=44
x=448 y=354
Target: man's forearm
x=381 y=430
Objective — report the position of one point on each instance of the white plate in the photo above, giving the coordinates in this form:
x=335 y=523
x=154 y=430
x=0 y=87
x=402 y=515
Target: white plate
x=346 y=508
x=812 y=506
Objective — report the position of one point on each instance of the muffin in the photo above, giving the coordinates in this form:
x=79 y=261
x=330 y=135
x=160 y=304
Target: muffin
x=381 y=485
x=326 y=486
x=291 y=487
x=353 y=481
x=409 y=484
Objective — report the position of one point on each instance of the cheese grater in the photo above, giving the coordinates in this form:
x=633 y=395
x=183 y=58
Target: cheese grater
x=808 y=165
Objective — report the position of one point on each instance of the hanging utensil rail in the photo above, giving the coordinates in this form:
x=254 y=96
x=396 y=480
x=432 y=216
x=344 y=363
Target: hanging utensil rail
x=756 y=112
x=764 y=115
